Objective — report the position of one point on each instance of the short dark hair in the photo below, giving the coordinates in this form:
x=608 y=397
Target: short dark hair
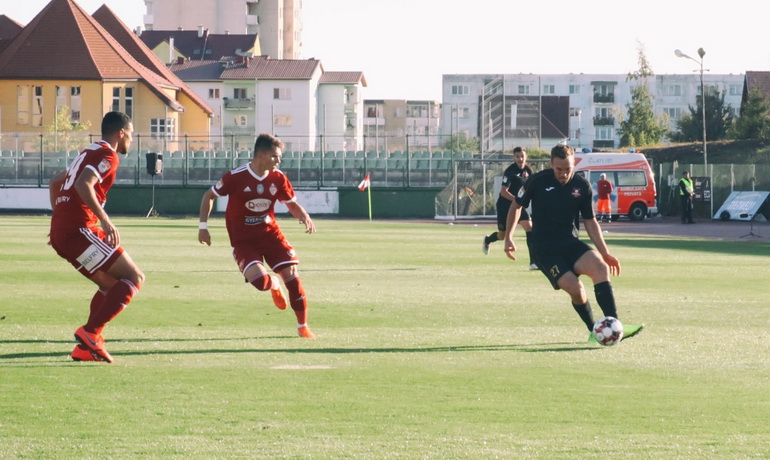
x=685 y=173
x=519 y=149
x=114 y=122
x=267 y=142
x=562 y=151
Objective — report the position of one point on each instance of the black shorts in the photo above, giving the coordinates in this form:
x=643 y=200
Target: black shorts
x=502 y=207
x=557 y=258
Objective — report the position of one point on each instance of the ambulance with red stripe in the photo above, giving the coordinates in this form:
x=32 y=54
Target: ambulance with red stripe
x=633 y=182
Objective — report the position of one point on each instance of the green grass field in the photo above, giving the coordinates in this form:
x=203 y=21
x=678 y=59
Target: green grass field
x=426 y=349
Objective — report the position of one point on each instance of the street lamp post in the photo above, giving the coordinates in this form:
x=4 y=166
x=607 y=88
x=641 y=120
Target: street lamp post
x=701 y=53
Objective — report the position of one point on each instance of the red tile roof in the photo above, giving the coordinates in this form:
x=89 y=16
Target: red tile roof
x=264 y=68
x=136 y=48
x=64 y=43
x=347 y=78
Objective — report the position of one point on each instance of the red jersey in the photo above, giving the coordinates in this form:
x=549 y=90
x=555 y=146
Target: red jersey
x=603 y=189
x=251 y=202
x=70 y=212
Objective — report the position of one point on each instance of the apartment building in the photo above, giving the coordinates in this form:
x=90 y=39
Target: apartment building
x=539 y=110
x=277 y=23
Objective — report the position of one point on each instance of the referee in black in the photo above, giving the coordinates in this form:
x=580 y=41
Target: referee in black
x=557 y=196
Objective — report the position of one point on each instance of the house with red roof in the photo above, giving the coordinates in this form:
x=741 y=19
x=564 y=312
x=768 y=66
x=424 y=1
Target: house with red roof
x=92 y=64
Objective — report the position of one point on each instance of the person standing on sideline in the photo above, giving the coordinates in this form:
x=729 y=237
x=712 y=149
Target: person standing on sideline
x=557 y=196
x=603 y=206
x=253 y=189
x=77 y=199
x=514 y=177
x=686 y=194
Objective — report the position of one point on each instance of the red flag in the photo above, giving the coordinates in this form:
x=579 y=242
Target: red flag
x=366 y=183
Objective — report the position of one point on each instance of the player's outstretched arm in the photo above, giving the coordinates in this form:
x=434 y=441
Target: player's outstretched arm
x=207 y=203
x=299 y=212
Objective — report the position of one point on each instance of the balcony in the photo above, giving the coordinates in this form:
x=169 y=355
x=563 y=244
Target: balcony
x=604 y=98
x=604 y=121
x=239 y=104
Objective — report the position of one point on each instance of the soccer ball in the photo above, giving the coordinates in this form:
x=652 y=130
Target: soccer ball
x=608 y=331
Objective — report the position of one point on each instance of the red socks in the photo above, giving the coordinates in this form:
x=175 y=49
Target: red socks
x=115 y=300
x=297 y=299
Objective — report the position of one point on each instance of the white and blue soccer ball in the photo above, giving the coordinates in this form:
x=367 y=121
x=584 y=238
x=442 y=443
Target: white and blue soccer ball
x=608 y=331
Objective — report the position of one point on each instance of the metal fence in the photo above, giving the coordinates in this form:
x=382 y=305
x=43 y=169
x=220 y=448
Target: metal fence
x=32 y=159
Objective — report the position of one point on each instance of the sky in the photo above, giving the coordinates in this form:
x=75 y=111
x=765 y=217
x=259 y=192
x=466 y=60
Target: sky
x=403 y=47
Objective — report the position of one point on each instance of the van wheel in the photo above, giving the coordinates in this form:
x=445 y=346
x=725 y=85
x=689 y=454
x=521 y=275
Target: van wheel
x=637 y=212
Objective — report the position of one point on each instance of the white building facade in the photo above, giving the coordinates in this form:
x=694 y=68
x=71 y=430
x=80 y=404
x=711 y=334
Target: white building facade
x=277 y=22
x=585 y=110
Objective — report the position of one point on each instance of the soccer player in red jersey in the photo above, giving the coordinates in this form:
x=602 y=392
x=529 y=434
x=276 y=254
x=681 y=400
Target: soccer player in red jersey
x=252 y=191
x=83 y=234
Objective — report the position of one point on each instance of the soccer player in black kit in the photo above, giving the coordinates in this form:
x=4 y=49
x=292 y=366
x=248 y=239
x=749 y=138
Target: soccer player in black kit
x=557 y=196
x=514 y=177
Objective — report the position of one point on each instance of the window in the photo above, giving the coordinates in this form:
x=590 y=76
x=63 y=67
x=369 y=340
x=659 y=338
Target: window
x=549 y=89
x=162 y=128
x=115 y=99
x=603 y=133
x=603 y=112
x=399 y=112
x=631 y=179
x=22 y=105
x=371 y=111
x=282 y=93
x=61 y=97
x=574 y=89
x=460 y=90
x=604 y=90
x=37 y=106
x=575 y=111
x=213 y=93
x=240 y=120
x=523 y=89
x=239 y=93
x=671 y=90
x=673 y=113
x=75 y=104
x=736 y=90
x=130 y=102
x=282 y=120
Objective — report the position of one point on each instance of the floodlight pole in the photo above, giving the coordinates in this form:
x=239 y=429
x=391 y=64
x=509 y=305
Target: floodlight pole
x=701 y=53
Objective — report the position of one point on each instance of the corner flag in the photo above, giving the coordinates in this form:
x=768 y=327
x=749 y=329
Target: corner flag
x=365 y=184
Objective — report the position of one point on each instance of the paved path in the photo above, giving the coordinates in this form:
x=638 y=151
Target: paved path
x=731 y=230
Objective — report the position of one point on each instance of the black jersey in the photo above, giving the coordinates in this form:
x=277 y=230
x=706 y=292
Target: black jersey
x=555 y=206
x=512 y=173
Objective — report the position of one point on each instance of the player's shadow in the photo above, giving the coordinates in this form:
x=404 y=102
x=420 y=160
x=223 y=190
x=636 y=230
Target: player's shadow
x=521 y=348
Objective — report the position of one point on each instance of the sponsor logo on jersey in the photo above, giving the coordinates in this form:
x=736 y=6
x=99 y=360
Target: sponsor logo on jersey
x=247 y=189
x=548 y=189
x=256 y=220
x=91 y=258
x=260 y=189
x=104 y=166
x=575 y=193
x=258 y=205
x=273 y=189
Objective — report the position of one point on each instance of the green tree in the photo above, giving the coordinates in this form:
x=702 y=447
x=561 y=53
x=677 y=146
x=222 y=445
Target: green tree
x=640 y=127
x=754 y=120
x=719 y=120
x=462 y=143
x=64 y=134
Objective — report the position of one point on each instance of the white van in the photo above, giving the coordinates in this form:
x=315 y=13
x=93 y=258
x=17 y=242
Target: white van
x=633 y=182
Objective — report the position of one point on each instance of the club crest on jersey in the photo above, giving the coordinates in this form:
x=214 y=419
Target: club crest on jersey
x=260 y=189
x=273 y=189
x=258 y=205
x=104 y=166
x=575 y=193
